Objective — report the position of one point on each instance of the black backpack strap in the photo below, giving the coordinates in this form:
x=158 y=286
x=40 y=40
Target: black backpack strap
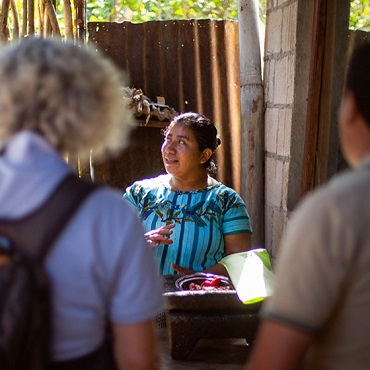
x=34 y=233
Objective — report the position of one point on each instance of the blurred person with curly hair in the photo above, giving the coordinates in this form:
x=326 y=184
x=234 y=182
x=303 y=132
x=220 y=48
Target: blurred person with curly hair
x=57 y=98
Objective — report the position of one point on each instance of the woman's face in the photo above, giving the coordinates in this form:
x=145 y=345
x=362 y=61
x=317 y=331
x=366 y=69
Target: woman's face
x=180 y=152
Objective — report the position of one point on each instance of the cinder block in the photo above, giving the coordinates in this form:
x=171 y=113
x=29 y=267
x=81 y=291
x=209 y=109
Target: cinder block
x=270 y=82
x=284 y=130
x=273 y=181
x=279 y=221
x=273 y=32
x=268 y=227
x=285 y=186
x=270 y=4
x=281 y=2
x=289 y=28
x=271 y=129
x=284 y=79
x=275 y=221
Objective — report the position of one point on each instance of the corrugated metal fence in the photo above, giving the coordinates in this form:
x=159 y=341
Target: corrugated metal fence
x=194 y=65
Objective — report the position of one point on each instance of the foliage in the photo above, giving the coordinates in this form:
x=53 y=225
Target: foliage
x=360 y=15
x=144 y=10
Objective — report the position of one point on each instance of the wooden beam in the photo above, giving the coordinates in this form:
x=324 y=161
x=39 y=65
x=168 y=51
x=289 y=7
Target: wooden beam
x=80 y=21
x=329 y=46
x=314 y=94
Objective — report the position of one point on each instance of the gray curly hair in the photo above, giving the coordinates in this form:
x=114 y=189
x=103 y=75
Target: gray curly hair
x=69 y=94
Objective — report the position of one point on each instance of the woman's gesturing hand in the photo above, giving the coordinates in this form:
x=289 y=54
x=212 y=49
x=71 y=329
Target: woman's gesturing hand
x=159 y=236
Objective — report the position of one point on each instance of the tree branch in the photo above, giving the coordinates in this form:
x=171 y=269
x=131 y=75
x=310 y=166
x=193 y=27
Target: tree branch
x=50 y=10
x=68 y=20
x=14 y=9
x=4 y=21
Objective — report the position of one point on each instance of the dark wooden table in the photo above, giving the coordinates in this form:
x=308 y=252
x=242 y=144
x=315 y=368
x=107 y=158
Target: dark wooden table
x=210 y=354
x=205 y=330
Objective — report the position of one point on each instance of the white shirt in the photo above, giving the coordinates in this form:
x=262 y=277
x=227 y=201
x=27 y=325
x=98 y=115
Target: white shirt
x=100 y=267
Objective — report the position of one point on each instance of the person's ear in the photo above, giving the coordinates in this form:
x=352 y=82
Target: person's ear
x=350 y=108
x=206 y=155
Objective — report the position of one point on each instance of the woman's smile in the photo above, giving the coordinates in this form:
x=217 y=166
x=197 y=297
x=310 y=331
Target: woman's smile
x=170 y=160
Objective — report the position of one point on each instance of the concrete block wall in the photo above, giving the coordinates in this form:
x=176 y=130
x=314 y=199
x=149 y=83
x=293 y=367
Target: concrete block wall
x=285 y=99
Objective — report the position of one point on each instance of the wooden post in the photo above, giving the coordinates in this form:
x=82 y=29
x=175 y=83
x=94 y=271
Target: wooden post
x=81 y=21
x=252 y=118
x=329 y=44
x=314 y=91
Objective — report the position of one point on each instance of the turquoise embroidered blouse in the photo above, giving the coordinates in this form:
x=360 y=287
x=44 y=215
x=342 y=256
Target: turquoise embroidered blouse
x=201 y=219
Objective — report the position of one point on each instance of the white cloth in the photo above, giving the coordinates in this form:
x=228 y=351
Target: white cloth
x=100 y=267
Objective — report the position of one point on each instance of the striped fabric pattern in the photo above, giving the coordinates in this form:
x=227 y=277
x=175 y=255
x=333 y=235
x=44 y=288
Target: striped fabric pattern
x=201 y=217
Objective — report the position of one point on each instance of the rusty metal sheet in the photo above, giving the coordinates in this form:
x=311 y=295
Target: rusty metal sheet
x=193 y=64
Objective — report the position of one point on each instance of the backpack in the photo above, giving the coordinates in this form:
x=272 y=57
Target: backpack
x=25 y=312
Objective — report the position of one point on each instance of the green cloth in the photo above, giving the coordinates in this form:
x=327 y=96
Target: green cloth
x=251 y=275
